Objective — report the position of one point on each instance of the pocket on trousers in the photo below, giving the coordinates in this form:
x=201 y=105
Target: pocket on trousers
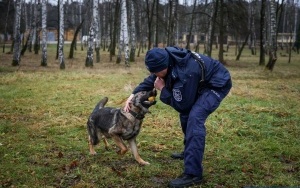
x=211 y=102
x=198 y=139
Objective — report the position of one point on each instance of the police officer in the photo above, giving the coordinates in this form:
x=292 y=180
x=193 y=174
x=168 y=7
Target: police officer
x=194 y=85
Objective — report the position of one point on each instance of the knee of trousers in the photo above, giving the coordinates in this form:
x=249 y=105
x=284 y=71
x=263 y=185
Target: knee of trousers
x=196 y=126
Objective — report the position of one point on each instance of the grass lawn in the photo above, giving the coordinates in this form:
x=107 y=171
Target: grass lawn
x=252 y=138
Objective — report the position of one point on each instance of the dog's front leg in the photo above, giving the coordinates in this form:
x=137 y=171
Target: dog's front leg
x=133 y=146
x=120 y=144
x=91 y=146
x=106 y=143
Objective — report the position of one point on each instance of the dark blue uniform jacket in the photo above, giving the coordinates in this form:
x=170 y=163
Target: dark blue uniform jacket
x=182 y=79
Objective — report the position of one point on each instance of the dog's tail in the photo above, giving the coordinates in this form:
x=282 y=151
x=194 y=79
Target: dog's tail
x=100 y=104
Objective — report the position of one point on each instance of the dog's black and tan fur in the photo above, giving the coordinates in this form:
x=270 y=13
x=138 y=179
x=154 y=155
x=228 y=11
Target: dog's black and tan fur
x=107 y=122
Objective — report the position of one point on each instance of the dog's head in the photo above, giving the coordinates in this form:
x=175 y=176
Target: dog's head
x=144 y=99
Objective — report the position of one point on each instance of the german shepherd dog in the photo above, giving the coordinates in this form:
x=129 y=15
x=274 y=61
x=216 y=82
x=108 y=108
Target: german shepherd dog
x=115 y=123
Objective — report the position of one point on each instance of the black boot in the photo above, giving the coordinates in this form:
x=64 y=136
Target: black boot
x=178 y=156
x=185 y=180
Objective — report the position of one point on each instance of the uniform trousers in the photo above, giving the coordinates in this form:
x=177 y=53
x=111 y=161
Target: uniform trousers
x=193 y=127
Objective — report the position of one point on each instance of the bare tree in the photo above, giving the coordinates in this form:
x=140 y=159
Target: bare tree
x=114 y=20
x=297 y=34
x=262 y=33
x=97 y=30
x=90 y=51
x=123 y=43
x=150 y=15
x=73 y=43
x=191 y=26
x=17 y=35
x=171 y=22
x=156 y=23
x=5 y=27
x=141 y=30
x=212 y=26
x=272 y=37
x=132 y=33
x=221 y=32
x=252 y=41
x=292 y=28
x=61 y=35
x=44 y=33
x=36 y=29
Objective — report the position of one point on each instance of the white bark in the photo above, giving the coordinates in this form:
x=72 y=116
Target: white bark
x=90 y=51
x=44 y=33
x=273 y=40
x=273 y=25
x=61 y=35
x=124 y=34
x=96 y=23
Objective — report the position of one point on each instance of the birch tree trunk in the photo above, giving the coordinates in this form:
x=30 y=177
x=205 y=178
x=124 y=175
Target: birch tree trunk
x=90 y=51
x=97 y=30
x=61 y=35
x=17 y=35
x=123 y=44
x=132 y=34
x=44 y=33
x=262 y=33
x=273 y=40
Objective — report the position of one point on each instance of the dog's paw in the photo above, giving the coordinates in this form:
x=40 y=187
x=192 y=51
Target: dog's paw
x=144 y=163
x=93 y=153
x=121 y=152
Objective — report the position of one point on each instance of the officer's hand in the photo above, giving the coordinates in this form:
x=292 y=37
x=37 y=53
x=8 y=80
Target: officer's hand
x=159 y=83
x=127 y=104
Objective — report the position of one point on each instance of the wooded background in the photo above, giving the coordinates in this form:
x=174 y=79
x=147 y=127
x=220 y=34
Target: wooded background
x=127 y=25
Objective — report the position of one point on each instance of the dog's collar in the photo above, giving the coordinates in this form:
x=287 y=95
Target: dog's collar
x=136 y=115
